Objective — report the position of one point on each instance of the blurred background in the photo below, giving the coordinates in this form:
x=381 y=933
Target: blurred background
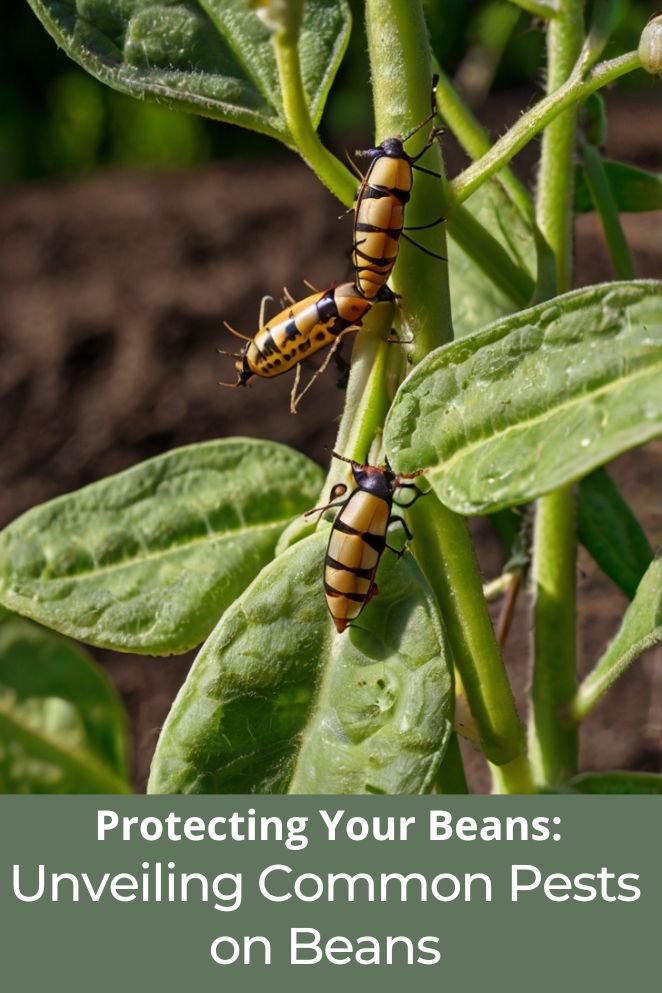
x=57 y=121
x=128 y=233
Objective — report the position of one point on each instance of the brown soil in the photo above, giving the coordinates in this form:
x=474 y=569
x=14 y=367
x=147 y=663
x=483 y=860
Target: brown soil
x=113 y=290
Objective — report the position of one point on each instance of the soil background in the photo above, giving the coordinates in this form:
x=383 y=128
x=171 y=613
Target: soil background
x=112 y=293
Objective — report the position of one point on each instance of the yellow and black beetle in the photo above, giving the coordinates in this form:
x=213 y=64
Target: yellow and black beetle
x=299 y=330
x=358 y=537
x=379 y=209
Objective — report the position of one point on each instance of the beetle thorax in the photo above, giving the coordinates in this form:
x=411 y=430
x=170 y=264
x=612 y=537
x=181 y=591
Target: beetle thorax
x=375 y=479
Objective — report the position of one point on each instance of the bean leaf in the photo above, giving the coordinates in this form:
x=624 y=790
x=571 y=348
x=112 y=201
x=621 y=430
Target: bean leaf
x=147 y=560
x=210 y=57
x=535 y=400
x=612 y=534
x=640 y=629
x=277 y=701
x=62 y=728
x=615 y=783
x=633 y=189
x=475 y=299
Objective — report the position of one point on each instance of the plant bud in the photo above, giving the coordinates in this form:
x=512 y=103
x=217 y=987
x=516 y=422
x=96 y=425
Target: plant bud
x=279 y=15
x=650 y=46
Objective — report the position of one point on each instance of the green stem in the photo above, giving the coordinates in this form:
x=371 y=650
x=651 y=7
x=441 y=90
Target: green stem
x=443 y=549
x=401 y=67
x=330 y=170
x=513 y=777
x=373 y=381
x=474 y=138
x=530 y=124
x=603 y=200
x=556 y=174
x=378 y=367
x=401 y=72
x=553 y=739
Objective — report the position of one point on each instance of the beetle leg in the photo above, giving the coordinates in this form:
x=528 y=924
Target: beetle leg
x=427 y=251
x=237 y=334
x=295 y=399
x=395 y=518
x=411 y=486
x=422 y=227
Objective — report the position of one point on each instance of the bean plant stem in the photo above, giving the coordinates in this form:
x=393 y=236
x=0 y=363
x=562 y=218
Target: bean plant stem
x=553 y=737
x=474 y=138
x=443 y=549
x=332 y=172
x=553 y=740
x=401 y=76
x=573 y=91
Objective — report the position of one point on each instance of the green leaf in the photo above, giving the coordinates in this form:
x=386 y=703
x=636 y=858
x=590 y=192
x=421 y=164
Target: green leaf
x=475 y=299
x=605 y=204
x=616 y=783
x=611 y=533
x=277 y=701
x=536 y=400
x=62 y=727
x=633 y=189
x=147 y=560
x=211 y=57
x=640 y=629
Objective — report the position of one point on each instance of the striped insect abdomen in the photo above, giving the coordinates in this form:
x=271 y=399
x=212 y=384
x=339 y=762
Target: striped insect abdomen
x=379 y=220
x=304 y=328
x=357 y=541
x=286 y=338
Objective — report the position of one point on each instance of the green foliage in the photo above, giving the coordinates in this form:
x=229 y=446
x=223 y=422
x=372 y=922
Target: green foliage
x=62 y=728
x=475 y=298
x=523 y=402
x=276 y=702
x=633 y=189
x=640 y=630
x=147 y=560
x=212 y=58
x=632 y=783
x=611 y=533
x=535 y=400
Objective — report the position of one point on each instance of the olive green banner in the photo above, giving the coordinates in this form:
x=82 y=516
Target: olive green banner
x=101 y=893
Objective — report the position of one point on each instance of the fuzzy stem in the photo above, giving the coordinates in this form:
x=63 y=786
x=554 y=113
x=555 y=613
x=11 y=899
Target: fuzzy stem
x=553 y=740
x=305 y=139
x=402 y=72
x=443 y=548
x=530 y=124
x=474 y=138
